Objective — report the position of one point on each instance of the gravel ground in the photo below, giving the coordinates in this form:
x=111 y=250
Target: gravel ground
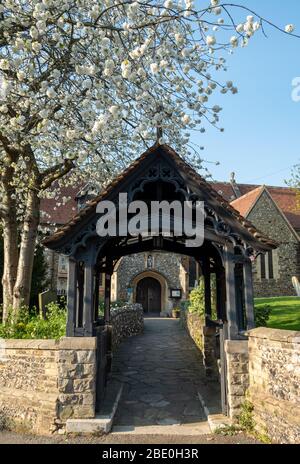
x=13 y=438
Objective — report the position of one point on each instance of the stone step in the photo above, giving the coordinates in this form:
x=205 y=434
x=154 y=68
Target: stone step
x=103 y=421
x=215 y=419
x=187 y=430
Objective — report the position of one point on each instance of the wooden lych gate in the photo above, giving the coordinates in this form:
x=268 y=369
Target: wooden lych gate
x=230 y=244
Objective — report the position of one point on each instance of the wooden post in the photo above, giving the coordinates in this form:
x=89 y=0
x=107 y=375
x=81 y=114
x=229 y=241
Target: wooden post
x=231 y=306
x=221 y=295
x=207 y=286
x=88 y=300
x=96 y=295
x=107 y=298
x=107 y=320
x=249 y=298
x=71 y=298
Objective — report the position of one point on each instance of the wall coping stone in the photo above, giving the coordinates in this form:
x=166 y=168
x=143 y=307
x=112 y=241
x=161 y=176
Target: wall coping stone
x=236 y=346
x=275 y=334
x=65 y=343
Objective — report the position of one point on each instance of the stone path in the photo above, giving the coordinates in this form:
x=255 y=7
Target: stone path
x=162 y=372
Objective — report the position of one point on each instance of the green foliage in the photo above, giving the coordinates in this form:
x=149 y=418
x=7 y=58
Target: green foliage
x=197 y=299
x=228 y=430
x=245 y=418
x=29 y=324
x=262 y=315
x=245 y=422
x=196 y=303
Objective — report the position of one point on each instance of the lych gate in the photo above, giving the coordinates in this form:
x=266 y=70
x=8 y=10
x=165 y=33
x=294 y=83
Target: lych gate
x=230 y=243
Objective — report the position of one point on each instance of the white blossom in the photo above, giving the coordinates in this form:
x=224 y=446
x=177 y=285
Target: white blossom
x=210 y=40
x=154 y=68
x=234 y=41
x=92 y=80
x=289 y=28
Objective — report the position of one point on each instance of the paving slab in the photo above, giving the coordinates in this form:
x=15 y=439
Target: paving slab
x=163 y=372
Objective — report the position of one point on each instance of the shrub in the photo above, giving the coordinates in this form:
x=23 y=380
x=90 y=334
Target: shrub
x=29 y=324
x=262 y=315
x=245 y=418
x=197 y=299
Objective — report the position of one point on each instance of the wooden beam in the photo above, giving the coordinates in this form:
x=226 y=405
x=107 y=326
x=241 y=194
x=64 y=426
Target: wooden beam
x=71 y=298
x=231 y=306
x=249 y=297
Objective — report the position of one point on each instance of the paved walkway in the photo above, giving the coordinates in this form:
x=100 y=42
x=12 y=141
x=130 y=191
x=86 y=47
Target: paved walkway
x=162 y=372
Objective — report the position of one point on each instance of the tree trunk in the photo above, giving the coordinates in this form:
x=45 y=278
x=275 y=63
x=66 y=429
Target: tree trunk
x=21 y=293
x=10 y=241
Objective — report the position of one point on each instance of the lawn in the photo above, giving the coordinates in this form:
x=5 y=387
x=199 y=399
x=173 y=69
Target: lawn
x=285 y=312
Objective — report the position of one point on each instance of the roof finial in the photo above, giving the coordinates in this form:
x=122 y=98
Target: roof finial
x=159 y=133
x=234 y=185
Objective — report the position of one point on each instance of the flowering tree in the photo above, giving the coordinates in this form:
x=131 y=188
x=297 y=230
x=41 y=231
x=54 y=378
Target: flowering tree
x=84 y=84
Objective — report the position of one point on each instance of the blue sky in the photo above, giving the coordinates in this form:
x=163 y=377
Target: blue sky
x=261 y=142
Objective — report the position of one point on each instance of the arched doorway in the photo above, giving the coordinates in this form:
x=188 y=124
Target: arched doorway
x=148 y=294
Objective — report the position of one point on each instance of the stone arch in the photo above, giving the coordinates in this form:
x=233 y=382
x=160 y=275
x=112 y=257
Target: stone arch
x=163 y=283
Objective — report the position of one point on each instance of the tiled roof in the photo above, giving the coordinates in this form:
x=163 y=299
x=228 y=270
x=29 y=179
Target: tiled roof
x=55 y=211
x=190 y=173
x=244 y=204
x=286 y=198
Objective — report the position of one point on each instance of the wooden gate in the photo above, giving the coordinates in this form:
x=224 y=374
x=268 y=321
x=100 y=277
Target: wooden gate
x=102 y=365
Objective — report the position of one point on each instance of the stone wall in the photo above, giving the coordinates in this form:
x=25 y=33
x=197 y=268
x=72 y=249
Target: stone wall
x=45 y=382
x=274 y=375
x=126 y=322
x=267 y=218
x=205 y=340
x=237 y=369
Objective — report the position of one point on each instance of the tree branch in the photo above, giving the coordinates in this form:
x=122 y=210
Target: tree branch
x=55 y=172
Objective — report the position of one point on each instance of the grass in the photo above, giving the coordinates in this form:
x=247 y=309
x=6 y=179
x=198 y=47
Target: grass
x=285 y=312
